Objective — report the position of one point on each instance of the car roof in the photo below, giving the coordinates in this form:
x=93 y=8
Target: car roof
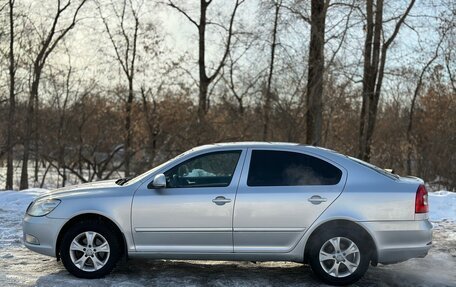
x=261 y=144
x=248 y=144
x=328 y=153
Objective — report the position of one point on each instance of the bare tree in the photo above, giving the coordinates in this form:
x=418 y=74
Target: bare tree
x=449 y=24
x=268 y=93
x=314 y=97
x=204 y=79
x=12 y=100
x=61 y=101
x=375 y=51
x=125 y=48
x=46 y=46
x=317 y=64
x=416 y=94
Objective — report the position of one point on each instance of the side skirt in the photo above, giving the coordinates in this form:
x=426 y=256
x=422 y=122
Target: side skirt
x=218 y=256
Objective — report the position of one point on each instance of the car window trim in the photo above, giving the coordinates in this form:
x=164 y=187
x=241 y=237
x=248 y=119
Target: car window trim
x=248 y=158
x=240 y=150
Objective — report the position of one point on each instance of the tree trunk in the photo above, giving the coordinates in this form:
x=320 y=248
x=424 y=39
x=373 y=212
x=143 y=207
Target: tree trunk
x=315 y=73
x=36 y=141
x=27 y=137
x=366 y=81
x=128 y=67
x=28 y=128
x=128 y=136
x=371 y=73
x=374 y=65
x=203 y=78
x=12 y=104
x=268 y=95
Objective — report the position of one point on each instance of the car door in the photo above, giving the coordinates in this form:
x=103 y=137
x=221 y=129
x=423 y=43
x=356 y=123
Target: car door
x=194 y=212
x=281 y=193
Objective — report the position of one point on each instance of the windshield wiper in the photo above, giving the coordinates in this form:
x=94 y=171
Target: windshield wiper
x=122 y=181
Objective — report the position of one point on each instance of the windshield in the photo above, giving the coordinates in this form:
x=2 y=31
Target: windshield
x=147 y=173
x=375 y=168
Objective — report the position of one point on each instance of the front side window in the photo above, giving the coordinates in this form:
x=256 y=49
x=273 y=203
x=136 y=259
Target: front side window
x=282 y=168
x=209 y=170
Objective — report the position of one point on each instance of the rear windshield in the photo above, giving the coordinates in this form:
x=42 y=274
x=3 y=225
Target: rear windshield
x=375 y=168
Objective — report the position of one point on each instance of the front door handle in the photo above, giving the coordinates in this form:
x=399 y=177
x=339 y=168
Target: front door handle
x=221 y=200
x=316 y=199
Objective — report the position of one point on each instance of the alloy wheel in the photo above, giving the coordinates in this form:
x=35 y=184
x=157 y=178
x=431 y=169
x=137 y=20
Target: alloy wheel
x=339 y=257
x=89 y=251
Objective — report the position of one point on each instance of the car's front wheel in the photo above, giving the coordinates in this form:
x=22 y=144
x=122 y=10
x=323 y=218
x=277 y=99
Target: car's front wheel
x=90 y=249
x=339 y=257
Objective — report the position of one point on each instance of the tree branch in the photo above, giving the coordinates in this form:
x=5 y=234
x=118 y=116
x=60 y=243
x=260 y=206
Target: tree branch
x=171 y=4
x=297 y=13
x=113 y=42
x=228 y=44
x=399 y=24
x=64 y=31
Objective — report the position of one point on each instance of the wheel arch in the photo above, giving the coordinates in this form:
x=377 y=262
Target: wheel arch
x=345 y=223
x=90 y=217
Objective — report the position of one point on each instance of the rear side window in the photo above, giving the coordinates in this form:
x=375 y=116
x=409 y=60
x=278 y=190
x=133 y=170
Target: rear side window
x=283 y=168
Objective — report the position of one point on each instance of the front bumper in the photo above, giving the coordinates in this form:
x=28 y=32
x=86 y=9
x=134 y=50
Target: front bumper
x=40 y=233
x=399 y=241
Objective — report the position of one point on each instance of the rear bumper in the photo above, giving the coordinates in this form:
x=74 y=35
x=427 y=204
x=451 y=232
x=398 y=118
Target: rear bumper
x=398 y=241
x=40 y=233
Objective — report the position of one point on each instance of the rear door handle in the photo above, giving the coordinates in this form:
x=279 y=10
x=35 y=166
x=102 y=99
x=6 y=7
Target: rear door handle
x=316 y=199
x=221 y=200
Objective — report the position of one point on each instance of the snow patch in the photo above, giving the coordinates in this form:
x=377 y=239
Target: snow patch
x=12 y=208
x=442 y=206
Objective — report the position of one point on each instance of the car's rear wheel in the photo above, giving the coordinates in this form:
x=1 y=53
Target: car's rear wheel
x=90 y=249
x=339 y=257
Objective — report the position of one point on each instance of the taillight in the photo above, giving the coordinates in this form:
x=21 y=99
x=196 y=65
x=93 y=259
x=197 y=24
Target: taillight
x=421 y=200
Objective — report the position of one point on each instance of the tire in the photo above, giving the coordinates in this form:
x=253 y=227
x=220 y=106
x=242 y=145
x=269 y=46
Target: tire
x=337 y=266
x=79 y=253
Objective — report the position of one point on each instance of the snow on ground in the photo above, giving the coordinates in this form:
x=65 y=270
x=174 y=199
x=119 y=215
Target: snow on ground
x=12 y=208
x=21 y=267
x=442 y=205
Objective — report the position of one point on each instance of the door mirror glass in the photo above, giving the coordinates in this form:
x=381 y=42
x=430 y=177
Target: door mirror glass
x=159 y=181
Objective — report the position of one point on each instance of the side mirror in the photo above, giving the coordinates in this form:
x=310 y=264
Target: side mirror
x=158 y=182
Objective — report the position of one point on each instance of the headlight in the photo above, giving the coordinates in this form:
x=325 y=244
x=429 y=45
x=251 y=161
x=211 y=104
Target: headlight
x=42 y=207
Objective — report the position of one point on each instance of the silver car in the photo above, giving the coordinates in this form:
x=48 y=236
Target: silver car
x=239 y=201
